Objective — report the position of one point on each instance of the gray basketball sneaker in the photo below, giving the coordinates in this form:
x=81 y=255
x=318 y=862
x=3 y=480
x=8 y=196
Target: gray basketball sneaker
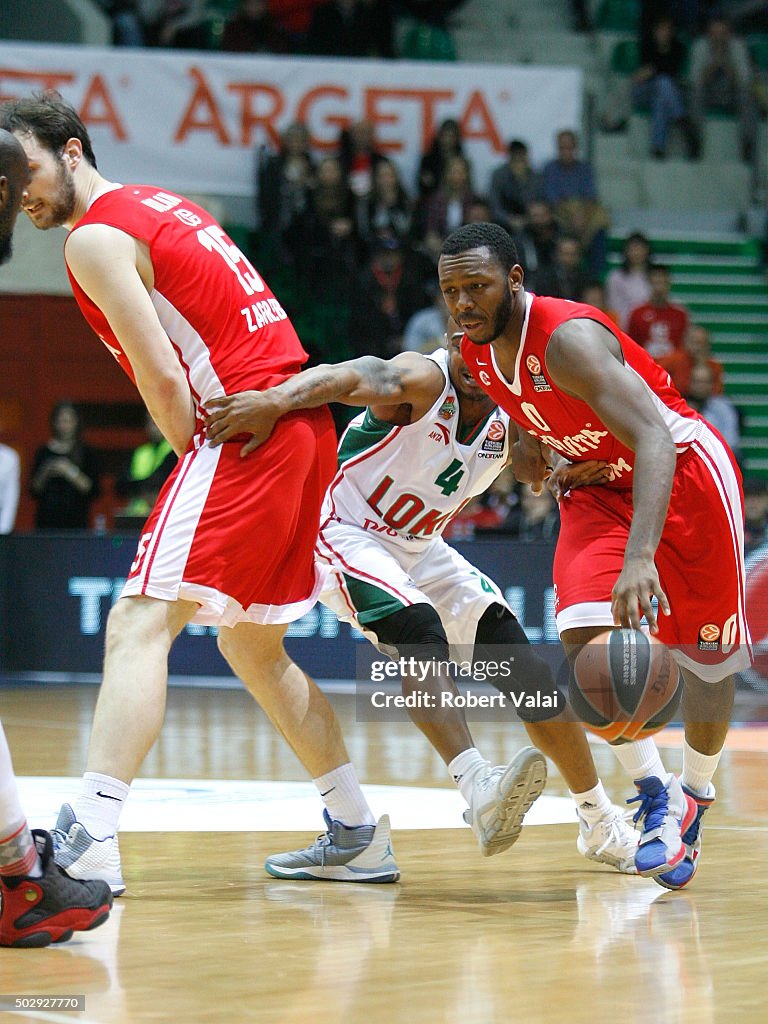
x=500 y=798
x=361 y=854
x=82 y=856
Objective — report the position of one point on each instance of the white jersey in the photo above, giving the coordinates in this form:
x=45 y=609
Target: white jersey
x=405 y=483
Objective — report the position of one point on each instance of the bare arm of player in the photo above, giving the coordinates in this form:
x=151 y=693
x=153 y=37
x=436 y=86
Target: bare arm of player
x=409 y=381
x=568 y=475
x=105 y=262
x=531 y=461
x=585 y=360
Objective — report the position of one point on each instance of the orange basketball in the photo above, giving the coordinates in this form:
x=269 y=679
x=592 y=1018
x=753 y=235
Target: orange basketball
x=625 y=685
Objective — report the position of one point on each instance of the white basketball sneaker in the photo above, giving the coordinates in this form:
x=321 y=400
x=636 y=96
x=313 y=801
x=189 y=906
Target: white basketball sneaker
x=82 y=856
x=500 y=798
x=611 y=840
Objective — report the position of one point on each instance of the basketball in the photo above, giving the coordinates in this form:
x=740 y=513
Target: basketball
x=625 y=685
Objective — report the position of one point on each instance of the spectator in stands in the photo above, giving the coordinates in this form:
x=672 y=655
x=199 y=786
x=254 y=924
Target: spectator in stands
x=10 y=486
x=324 y=240
x=696 y=349
x=65 y=474
x=425 y=330
x=716 y=409
x=151 y=465
x=445 y=144
x=251 y=28
x=127 y=24
x=359 y=157
x=593 y=293
x=285 y=182
x=446 y=209
x=537 y=516
x=659 y=325
x=386 y=294
x=184 y=25
x=387 y=208
x=565 y=277
x=568 y=185
x=658 y=84
x=628 y=286
x=352 y=28
x=514 y=186
x=755 y=511
x=537 y=242
x=721 y=77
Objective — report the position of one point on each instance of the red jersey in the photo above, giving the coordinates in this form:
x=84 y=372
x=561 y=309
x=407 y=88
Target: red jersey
x=659 y=330
x=229 y=331
x=566 y=424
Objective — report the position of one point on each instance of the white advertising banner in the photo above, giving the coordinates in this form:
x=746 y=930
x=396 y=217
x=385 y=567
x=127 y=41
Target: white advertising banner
x=195 y=122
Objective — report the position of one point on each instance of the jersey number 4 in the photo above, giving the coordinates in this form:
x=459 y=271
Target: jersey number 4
x=448 y=480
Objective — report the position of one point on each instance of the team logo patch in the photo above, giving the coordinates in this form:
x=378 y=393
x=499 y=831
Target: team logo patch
x=709 y=637
x=494 y=439
x=448 y=408
x=540 y=382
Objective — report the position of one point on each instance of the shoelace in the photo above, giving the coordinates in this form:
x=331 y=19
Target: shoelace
x=614 y=837
x=653 y=809
x=489 y=780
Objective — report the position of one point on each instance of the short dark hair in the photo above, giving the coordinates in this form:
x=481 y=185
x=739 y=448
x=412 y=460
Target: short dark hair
x=483 y=235
x=49 y=119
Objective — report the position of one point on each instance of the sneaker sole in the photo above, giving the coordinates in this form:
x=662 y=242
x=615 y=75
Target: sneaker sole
x=339 y=873
x=522 y=785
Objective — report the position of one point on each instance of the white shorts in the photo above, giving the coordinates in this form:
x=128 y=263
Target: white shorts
x=369 y=579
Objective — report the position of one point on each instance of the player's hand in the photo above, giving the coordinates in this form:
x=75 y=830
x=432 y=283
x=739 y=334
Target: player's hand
x=249 y=412
x=635 y=588
x=531 y=463
x=568 y=475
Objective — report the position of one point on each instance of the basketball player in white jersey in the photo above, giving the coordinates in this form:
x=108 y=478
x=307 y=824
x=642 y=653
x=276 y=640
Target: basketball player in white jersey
x=39 y=904
x=429 y=441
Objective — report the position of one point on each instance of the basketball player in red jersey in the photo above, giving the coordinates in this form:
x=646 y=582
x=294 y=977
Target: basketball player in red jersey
x=667 y=525
x=39 y=904
x=230 y=541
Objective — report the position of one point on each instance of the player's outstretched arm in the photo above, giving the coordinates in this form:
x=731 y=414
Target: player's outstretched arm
x=584 y=359
x=105 y=262
x=407 y=379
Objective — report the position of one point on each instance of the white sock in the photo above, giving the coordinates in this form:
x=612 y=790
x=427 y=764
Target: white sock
x=698 y=769
x=463 y=769
x=99 y=804
x=343 y=797
x=592 y=804
x=640 y=760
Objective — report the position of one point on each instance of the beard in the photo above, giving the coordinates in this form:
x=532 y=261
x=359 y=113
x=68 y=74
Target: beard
x=61 y=204
x=503 y=316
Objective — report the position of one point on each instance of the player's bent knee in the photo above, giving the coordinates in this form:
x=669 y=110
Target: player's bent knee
x=528 y=682
x=415 y=631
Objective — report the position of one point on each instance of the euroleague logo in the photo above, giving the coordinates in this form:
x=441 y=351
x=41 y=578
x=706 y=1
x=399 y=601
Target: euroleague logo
x=709 y=637
x=540 y=382
x=494 y=440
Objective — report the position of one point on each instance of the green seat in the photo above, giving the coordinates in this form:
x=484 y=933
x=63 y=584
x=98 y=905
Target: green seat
x=618 y=16
x=625 y=57
x=428 y=42
x=758 y=49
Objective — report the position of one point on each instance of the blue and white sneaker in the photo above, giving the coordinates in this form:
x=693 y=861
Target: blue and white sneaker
x=666 y=814
x=681 y=875
x=362 y=853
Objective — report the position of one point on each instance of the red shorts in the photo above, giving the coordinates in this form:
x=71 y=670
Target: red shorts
x=700 y=560
x=238 y=535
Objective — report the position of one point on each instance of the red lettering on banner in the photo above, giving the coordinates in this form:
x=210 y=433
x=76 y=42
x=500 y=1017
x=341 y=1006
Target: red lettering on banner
x=203 y=98
x=97 y=95
x=249 y=119
x=427 y=98
x=338 y=122
x=477 y=109
x=42 y=80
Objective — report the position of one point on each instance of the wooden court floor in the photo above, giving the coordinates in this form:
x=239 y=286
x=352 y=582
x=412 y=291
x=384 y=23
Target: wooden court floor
x=537 y=935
